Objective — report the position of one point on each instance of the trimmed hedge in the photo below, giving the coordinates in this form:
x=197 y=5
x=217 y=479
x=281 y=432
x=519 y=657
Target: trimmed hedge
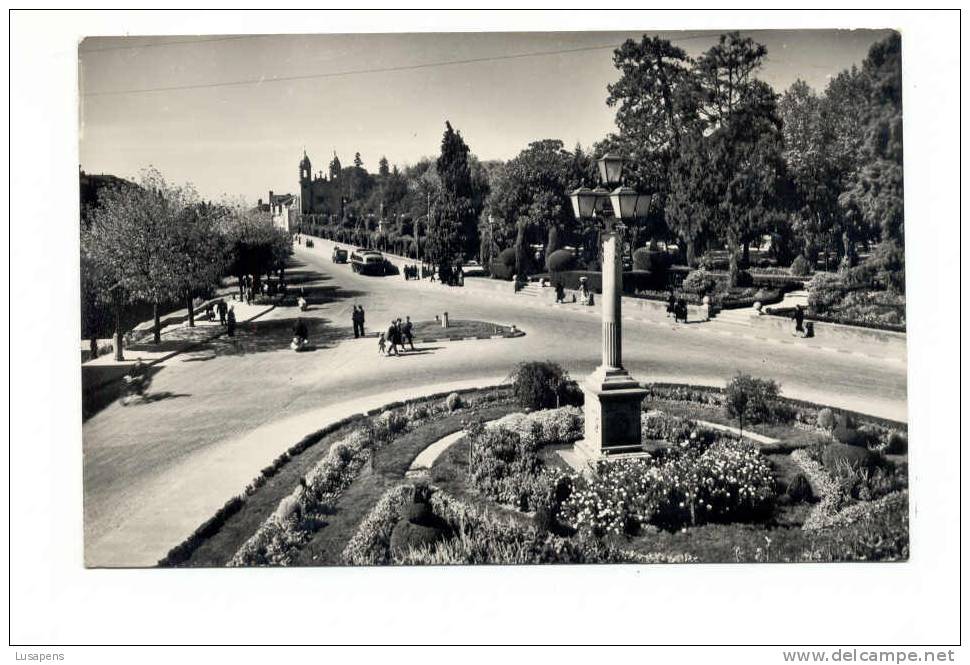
x=561 y=260
x=633 y=280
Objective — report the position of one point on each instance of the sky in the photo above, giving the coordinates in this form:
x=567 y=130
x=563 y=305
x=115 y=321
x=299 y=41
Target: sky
x=152 y=101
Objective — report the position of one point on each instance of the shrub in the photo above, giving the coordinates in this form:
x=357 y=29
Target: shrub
x=898 y=443
x=699 y=282
x=800 y=267
x=543 y=428
x=560 y=260
x=454 y=402
x=745 y=280
x=753 y=400
x=538 y=385
x=799 y=489
x=712 y=261
x=654 y=261
x=506 y=257
x=505 y=466
x=825 y=419
x=838 y=453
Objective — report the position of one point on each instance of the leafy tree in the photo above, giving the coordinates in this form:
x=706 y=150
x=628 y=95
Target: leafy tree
x=383 y=169
x=530 y=195
x=876 y=192
x=198 y=254
x=358 y=162
x=743 y=133
x=656 y=100
x=131 y=241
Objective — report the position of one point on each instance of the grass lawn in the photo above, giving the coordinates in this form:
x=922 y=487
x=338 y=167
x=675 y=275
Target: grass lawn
x=457 y=328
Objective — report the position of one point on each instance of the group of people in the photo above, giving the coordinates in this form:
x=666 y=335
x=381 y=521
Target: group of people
x=450 y=275
x=398 y=334
x=357 y=318
x=300 y=241
x=412 y=272
x=249 y=290
x=677 y=307
x=227 y=317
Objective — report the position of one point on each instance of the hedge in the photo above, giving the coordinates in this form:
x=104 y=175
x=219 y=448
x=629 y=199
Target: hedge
x=633 y=280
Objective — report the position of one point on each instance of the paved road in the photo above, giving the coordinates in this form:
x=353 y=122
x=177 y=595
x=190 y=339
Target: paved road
x=136 y=458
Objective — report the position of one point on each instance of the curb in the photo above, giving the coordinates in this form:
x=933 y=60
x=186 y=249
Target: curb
x=428 y=340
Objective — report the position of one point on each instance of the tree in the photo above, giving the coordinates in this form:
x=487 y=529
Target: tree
x=452 y=228
x=530 y=195
x=743 y=133
x=656 y=100
x=198 y=254
x=875 y=194
x=358 y=162
x=131 y=243
x=383 y=169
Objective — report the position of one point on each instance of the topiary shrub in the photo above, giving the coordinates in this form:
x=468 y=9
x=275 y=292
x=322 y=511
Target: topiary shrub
x=653 y=260
x=825 y=419
x=506 y=257
x=800 y=267
x=454 y=402
x=799 y=489
x=753 y=400
x=539 y=384
x=699 y=282
x=561 y=259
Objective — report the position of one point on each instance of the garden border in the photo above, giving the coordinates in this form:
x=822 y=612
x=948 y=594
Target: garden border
x=183 y=551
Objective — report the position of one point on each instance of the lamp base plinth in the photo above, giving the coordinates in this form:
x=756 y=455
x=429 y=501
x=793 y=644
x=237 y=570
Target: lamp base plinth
x=612 y=414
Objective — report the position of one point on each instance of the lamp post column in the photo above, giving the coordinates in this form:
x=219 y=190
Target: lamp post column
x=612 y=289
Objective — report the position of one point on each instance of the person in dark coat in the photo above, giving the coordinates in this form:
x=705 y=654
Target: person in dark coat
x=355 y=319
x=360 y=308
x=221 y=307
x=671 y=305
x=408 y=330
x=231 y=322
x=392 y=339
x=799 y=317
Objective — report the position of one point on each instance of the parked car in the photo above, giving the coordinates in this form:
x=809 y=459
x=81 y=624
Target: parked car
x=339 y=255
x=368 y=262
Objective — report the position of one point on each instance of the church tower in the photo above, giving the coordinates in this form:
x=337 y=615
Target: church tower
x=306 y=185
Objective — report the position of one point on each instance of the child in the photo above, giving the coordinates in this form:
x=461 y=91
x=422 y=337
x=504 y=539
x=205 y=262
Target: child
x=381 y=345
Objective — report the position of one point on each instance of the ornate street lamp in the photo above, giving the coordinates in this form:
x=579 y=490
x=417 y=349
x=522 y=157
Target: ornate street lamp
x=584 y=202
x=611 y=169
x=613 y=397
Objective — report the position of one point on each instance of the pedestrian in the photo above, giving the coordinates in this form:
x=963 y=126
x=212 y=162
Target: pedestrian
x=392 y=339
x=361 y=315
x=221 y=308
x=231 y=322
x=355 y=319
x=409 y=332
x=671 y=304
x=560 y=293
x=381 y=345
x=799 y=317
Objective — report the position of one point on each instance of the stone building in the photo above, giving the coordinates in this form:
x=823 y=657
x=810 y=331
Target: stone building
x=320 y=194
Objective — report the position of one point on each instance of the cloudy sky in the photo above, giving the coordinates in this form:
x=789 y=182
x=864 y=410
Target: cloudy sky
x=232 y=114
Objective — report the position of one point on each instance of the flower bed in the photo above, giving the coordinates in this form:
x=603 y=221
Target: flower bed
x=690 y=483
x=479 y=539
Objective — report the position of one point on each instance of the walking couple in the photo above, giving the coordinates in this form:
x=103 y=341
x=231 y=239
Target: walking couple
x=358 y=320
x=398 y=333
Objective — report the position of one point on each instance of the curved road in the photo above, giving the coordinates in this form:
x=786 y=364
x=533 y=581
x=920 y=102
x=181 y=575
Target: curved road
x=236 y=405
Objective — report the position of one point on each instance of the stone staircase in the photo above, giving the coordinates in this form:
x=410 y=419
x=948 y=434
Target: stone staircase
x=532 y=290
